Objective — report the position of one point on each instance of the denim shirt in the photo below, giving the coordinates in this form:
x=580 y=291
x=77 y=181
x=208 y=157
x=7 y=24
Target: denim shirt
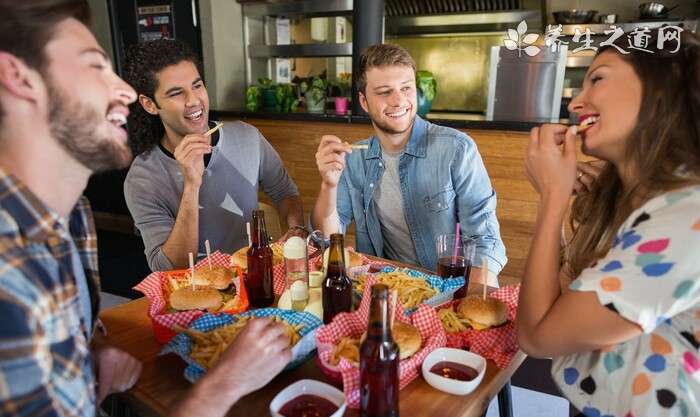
x=443 y=181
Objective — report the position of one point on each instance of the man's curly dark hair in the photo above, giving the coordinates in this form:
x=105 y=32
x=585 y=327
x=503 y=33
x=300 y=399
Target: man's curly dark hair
x=141 y=64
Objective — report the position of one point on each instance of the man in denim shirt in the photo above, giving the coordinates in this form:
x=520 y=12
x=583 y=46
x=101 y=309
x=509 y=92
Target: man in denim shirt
x=414 y=181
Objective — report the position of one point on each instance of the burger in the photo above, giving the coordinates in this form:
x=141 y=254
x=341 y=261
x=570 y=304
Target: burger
x=405 y=335
x=199 y=298
x=240 y=257
x=482 y=313
x=217 y=277
x=352 y=259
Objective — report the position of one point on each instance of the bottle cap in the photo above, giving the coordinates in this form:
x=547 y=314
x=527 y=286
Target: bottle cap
x=295 y=248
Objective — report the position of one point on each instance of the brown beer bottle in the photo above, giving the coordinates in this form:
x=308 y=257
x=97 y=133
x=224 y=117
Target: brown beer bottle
x=258 y=282
x=337 y=288
x=379 y=361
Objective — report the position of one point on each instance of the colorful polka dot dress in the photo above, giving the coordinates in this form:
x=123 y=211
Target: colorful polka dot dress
x=650 y=277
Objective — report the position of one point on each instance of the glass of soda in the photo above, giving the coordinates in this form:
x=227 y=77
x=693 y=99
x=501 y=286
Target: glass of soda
x=455 y=261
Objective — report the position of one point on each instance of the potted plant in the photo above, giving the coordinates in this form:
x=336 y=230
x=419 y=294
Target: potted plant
x=343 y=85
x=314 y=91
x=285 y=99
x=267 y=88
x=427 y=89
x=252 y=98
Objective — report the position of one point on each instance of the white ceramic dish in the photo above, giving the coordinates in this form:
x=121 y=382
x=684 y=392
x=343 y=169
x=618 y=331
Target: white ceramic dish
x=453 y=386
x=310 y=387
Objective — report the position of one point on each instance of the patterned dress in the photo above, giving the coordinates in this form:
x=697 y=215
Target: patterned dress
x=650 y=277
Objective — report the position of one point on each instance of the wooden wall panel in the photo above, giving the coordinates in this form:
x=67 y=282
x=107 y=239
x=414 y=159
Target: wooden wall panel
x=502 y=152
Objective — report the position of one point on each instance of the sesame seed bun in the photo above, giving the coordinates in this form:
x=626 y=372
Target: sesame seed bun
x=482 y=314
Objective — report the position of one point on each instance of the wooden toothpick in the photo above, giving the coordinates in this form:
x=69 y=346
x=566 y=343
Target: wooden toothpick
x=208 y=249
x=191 y=269
x=484 y=274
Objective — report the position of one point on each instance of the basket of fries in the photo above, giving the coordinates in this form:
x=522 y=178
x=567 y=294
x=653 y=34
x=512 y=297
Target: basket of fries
x=414 y=287
x=158 y=286
x=338 y=344
x=201 y=344
x=498 y=343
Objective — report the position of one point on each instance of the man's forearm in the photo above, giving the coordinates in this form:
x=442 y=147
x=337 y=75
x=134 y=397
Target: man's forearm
x=292 y=211
x=325 y=214
x=206 y=399
x=184 y=237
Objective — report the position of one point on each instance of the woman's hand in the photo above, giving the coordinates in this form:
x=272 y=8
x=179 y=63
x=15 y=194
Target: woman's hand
x=586 y=174
x=550 y=167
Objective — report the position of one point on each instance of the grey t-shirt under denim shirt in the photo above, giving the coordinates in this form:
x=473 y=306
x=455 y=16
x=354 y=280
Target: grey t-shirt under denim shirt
x=398 y=244
x=240 y=161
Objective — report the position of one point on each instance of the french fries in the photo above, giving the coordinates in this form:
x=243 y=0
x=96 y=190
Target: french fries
x=208 y=346
x=412 y=291
x=347 y=347
x=451 y=321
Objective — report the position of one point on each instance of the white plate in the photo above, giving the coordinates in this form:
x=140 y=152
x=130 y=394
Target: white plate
x=310 y=387
x=454 y=386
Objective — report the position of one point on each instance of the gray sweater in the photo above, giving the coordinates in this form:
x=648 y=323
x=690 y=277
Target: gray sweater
x=229 y=193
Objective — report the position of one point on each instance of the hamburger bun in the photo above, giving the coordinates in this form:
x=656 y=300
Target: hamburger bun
x=198 y=299
x=352 y=259
x=407 y=337
x=482 y=314
x=218 y=277
x=240 y=258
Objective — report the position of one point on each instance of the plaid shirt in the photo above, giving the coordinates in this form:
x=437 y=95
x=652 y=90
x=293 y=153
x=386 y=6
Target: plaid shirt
x=45 y=360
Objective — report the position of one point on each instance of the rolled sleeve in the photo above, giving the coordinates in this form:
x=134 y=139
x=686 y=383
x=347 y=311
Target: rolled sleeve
x=476 y=205
x=276 y=182
x=154 y=221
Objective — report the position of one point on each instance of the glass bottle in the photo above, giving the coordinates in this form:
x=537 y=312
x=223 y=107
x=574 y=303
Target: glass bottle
x=296 y=265
x=259 y=278
x=337 y=288
x=379 y=361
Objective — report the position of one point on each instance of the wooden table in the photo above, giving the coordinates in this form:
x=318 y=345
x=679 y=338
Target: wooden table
x=162 y=382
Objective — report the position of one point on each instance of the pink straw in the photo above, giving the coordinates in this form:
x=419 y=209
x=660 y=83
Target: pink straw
x=456 y=247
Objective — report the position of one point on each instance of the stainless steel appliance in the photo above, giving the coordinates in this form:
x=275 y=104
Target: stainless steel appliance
x=525 y=88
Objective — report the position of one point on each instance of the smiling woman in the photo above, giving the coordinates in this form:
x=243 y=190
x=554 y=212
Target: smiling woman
x=623 y=335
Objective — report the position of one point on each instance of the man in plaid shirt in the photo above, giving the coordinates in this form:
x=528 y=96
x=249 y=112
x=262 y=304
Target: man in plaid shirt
x=62 y=116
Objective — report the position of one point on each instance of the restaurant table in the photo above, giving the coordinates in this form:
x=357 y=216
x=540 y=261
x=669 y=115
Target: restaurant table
x=162 y=383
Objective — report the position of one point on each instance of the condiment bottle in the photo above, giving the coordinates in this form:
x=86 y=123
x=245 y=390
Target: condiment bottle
x=259 y=278
x=296 y=265
x=379 y=361
x=337 y=288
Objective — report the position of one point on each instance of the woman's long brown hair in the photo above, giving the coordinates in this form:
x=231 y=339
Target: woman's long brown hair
x=663 y=149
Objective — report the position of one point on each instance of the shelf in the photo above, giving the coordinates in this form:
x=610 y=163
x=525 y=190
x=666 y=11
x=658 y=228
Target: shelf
x=319 y=50
x=308 y=8
x=459 y=22
x=599 y=29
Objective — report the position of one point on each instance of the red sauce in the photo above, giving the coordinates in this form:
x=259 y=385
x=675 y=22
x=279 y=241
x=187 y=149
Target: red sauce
x=453 y=370
x=308 y=406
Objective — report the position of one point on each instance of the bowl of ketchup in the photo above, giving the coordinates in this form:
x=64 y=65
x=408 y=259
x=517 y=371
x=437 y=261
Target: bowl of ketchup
x=308 y=398
x=454 y=371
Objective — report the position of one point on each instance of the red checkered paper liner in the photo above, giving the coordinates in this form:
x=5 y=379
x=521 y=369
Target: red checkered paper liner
x=499 y=344
x=279 y=273
x=353 y=324
x=152 y=287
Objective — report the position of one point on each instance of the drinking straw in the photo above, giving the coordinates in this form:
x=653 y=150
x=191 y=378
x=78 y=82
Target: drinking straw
x=247 y=227
x=484 y=273
x=192 y=270
x=394 y=298
x=456 y=246
x=208 y=248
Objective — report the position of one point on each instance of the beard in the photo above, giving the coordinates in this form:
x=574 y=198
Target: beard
x=75 y=125
x=384 y=126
